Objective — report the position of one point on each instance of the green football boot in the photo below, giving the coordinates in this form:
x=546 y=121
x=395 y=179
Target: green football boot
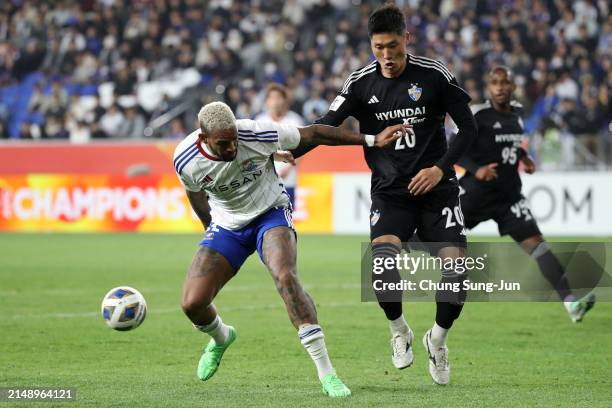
x=334 y=387
x=211 y=358
x=578 y=308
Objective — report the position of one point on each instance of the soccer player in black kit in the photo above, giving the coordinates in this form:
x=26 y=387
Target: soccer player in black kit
x=414 y=187
x=492 y=184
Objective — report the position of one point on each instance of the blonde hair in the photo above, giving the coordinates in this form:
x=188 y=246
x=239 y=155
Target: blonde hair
x=216 y=115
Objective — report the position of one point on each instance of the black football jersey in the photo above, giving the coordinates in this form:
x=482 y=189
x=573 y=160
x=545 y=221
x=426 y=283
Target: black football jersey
x=499 y=139
x=419 y=96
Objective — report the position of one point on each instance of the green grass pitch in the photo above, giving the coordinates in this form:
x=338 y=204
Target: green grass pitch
x=52 y=334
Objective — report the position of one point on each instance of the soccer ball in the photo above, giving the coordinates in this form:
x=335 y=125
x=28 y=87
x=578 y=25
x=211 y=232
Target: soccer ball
x=124 y=308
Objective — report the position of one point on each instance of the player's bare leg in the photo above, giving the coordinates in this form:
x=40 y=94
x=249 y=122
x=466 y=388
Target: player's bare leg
x=279 y=250
x=448 y=308
x=553 y=271
x=279 y=253
x=208 y=273
x=388 y=246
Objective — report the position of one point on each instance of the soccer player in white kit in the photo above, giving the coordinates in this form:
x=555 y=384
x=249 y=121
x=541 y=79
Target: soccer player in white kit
x=277 y=111
x=226 y=168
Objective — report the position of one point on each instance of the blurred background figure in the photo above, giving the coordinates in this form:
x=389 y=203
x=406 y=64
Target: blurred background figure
x=277 y=110
x=172 y=56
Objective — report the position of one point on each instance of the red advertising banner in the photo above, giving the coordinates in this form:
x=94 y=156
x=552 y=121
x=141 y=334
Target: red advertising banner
x=94 y=203
x=120 y=187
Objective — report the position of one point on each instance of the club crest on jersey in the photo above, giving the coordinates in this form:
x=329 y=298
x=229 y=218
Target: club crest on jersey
x=415 y=92
x=248 y=166
x=374 y=217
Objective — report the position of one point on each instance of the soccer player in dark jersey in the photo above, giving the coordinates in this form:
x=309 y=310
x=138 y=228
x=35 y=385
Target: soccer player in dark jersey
x=413 y=182
x=492 y=183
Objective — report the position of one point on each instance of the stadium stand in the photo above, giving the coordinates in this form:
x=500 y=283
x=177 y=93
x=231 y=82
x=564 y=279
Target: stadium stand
x=97 y=69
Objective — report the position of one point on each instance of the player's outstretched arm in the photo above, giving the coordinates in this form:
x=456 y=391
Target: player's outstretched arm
x=284 y=156
x=199 y=203
x=333 y=136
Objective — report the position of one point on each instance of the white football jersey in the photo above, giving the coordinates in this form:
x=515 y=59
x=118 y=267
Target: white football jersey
x=241 y=190
x=291 y=118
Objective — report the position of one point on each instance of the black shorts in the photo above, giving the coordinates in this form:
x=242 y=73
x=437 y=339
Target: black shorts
x=435 y=216
x=513 y=216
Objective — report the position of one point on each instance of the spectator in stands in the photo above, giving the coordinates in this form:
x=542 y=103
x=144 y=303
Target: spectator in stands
x=177 y=130
x=311 y=46
x=589 y=134
x=277 y=111
x=3 y=131
x=133 y=124
x=111 y=121
x=78 y=131
x=54 y=128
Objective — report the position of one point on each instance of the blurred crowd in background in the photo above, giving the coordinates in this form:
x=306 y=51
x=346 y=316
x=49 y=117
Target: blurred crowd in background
x=119 y=69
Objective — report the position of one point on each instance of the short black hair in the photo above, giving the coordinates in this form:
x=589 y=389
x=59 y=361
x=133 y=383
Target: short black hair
x=387 y=19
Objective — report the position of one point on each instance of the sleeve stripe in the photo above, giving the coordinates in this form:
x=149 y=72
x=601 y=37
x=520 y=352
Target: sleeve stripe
x=479 y=107
x=360 y=70
x=258 y=137
x=437 y=63
x=358 y=73
x=183 y=154
x=434 y=64
x=432 y=67
x=260 y=141
x=182 y=166
x=268 y=136
x=350 y=81
x=250 y=132
x=179 y=160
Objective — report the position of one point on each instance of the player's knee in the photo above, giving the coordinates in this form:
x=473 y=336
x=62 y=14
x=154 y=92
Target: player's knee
x=385 y=273
x=384 y=264
x=286 y=277
x=193 y=303
x=535 y=245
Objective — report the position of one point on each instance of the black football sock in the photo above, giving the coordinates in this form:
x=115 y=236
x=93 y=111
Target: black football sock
x=450 y=300
x=551 y=269
x=390 y=301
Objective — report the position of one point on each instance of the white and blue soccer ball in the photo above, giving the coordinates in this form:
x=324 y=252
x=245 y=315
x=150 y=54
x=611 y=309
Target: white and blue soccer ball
x=124 y=308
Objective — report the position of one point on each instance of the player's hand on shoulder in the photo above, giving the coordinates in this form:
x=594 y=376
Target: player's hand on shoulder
x=284 y=156
x=529 y=163
x=486 y=172
x=425 y=180
x=390 y=135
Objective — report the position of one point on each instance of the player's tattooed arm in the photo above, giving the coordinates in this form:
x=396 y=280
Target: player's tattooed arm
x=333 y=136
x=199 y=203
